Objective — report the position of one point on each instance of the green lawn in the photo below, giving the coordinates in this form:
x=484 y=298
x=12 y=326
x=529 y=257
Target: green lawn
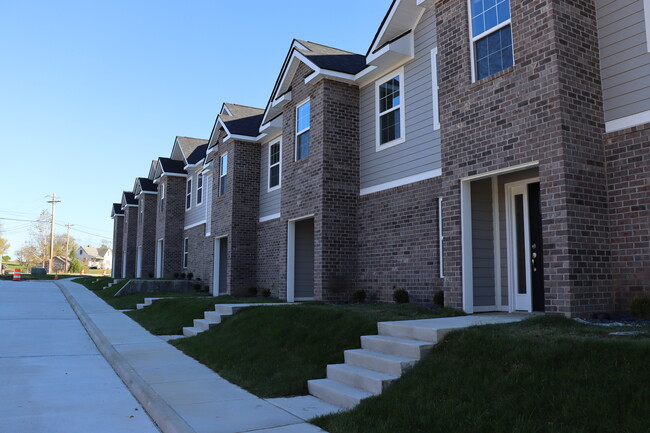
x=546 y=374
x=272 y=352
x=169 y=316
x=128 y=302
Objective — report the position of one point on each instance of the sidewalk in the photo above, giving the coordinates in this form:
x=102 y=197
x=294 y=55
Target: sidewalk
x=180 y=394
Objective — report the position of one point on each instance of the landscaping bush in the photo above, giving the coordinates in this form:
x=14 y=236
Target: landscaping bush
x=439 y=298
x=401 y=296
x=640 y=307
x=359 y=296
x=266 y=293
x=252 y=292
x=190 y=275
x=176 y=275
x=182 y=275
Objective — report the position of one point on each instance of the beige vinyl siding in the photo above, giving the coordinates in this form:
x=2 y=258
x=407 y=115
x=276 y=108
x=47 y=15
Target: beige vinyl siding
x=624 y=57
x=421 y=151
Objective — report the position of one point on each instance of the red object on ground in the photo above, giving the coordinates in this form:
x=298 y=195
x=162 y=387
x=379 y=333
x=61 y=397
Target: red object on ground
x=16 y=274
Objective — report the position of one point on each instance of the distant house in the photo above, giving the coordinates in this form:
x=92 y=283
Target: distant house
x=59 y=264
x=95 y=258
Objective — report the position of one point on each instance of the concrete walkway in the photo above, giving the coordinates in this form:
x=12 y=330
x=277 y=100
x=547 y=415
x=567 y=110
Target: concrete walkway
x=179 y=393
x=52 y=377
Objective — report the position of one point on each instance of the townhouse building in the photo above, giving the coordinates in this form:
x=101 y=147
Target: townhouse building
x=498 y=150
x=146 y=194
x=129 y=234
x=117 y=215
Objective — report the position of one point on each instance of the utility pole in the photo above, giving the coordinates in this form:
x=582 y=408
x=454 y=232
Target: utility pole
x=53 y=199
x=67 y=249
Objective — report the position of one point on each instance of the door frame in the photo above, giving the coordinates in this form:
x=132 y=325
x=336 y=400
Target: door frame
x=216 y=265
x=138 y=263
x=512 y=189
x=291 y=257
x=159 y=258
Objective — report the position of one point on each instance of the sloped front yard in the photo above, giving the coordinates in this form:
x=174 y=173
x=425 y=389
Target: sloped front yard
x=546 y=374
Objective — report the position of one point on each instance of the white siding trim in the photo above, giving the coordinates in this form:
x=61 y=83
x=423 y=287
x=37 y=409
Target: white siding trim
x=401 y=182
x=270 y=217
x=629 y=121
x=435 y=86
x=191 y=226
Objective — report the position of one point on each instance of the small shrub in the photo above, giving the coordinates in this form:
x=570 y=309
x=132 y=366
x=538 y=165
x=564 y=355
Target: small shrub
x=252 y=292
x=206 y=289
x=640 y=307
x=359 y=296
x=401 y=296
x=190 y=275
x=176 y=275
x=182 y=275
x=439 y=298
x=266 y=293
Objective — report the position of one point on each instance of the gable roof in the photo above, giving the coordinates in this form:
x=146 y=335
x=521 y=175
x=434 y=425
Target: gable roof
x=325 y=61
x=173 y=166
x=237 y=120
x=147 y=184
x=116 y=210
x=128 y=199
x=198 y=154
x=189 y=144
x=95 y=253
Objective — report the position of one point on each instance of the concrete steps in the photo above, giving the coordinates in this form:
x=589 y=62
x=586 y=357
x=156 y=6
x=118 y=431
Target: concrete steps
x=221 y=311
x=383 y=358
x=147 y=302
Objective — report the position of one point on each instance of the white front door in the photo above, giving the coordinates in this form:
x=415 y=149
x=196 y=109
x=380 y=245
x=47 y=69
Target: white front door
x=518 y=238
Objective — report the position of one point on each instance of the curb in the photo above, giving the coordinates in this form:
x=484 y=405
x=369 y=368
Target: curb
x=166 y=418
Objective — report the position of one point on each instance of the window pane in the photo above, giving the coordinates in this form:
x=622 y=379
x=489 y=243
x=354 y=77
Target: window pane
x=503 y=11
x=494 y=53
x=223 y=185
x=302 y=149
x=274 y=176
x=302 y=122
x=224 y=164
x=275 y=154
x=477 y=7
x=487 y=14
x=389 y=96
x=389 y=127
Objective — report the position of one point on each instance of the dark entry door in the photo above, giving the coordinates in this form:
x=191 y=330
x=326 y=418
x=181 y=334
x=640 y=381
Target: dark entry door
x=536 y=246
x=304 y=259
x=223 y=266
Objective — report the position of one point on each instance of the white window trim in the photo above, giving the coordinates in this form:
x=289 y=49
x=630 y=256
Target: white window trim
x=162 y=198
x=298 y=133
x=435 y=89
x=279 y=164
x=199 y=188
x=378 y=146
x=188 y=194
x=186 y=252
x=474 y=39
x=222 y=174
x=646 y=12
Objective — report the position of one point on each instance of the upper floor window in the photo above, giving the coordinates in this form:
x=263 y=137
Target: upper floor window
x=199 y=189
x=162 y=197
x=303 y=123
x=491 y=37
x=223 y=174
x=435 y=86
x=188 y=195
x=389 y=104
x=274 y=165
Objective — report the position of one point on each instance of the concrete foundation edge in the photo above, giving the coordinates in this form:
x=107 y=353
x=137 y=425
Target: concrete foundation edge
x=162 y=414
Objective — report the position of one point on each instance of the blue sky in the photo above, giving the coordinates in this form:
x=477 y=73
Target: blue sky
x=91 y=92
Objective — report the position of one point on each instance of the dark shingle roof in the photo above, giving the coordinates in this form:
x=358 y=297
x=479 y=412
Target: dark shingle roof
x=147 y=185
x=333 y=59
x=244 y=120
x=117 y=209
x=198 y=154
x=189 y=144
x=130 y=198
x=172 y=166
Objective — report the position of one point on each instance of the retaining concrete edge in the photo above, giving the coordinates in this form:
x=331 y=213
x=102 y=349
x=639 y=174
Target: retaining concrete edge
x=165 y=417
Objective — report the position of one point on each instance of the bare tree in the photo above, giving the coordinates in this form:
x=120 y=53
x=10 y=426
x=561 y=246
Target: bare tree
x=36 y=249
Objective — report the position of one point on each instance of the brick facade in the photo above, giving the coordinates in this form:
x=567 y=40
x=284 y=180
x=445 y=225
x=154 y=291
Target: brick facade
x=398 y=242
x=169 y=224
x=628 y=179
x=118 y=242
x=147 y=234
x=129 y=240
x=200 y=255
x=271 y=237
x=546 y=109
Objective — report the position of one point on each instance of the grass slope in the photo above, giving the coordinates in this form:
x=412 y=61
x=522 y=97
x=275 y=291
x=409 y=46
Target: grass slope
x=272 y=352
x=546 y=374
x=169 y=316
